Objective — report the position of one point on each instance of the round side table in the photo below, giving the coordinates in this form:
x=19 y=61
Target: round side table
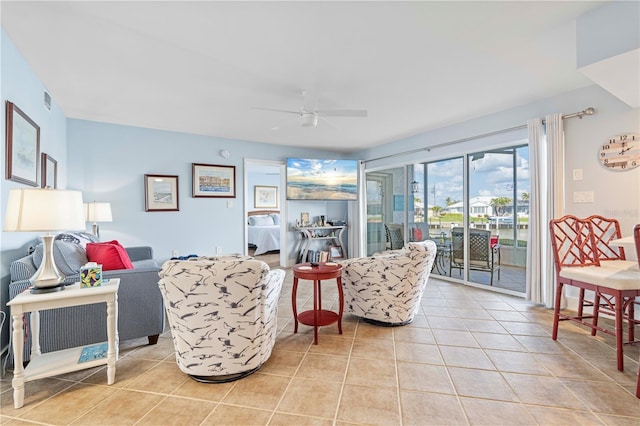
x=317 y=317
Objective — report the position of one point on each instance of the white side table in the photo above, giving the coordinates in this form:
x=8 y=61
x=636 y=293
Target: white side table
x=64 y=361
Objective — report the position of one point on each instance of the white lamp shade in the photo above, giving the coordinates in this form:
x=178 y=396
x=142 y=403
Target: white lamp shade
x=98 y=212
x=43 y=210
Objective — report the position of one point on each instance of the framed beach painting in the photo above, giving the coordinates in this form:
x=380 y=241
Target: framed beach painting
x=213 y=180
x=22 y=146
x=161 y=193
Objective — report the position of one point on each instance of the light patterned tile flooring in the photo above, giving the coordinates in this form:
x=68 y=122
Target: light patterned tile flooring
x=471 y=357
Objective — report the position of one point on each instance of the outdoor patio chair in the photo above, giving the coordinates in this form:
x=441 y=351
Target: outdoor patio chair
x=482 y=255
x=395 y=235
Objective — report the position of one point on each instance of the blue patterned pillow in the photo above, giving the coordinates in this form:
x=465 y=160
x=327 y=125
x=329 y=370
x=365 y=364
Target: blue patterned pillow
x=80 y=238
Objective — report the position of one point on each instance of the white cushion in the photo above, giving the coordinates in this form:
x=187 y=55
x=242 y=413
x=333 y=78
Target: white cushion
x=628 y=265
x=616 y=279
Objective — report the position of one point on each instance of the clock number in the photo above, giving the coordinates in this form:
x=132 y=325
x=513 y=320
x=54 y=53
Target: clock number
x=602 y=154
x=634 y=163
x=623 y=165
x=623 y=137
x=605 y=146
x=606 y=161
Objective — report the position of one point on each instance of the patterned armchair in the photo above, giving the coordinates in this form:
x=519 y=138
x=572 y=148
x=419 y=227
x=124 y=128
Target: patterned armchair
x=222 y=312
x=386 y=289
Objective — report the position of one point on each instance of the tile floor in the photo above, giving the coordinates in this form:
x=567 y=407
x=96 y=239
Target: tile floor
x=471 y=357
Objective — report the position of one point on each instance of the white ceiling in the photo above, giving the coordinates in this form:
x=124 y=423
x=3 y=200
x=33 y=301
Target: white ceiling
x=199 y=67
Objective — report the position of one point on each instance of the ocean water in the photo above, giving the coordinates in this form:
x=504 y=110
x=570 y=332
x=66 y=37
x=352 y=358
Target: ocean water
x=319 y=191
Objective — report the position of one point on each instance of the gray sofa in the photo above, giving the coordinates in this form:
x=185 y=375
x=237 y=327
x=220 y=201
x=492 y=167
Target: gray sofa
x=140 y=304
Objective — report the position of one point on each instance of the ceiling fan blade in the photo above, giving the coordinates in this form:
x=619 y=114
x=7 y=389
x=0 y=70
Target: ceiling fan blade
x=342 y=112
x=277 y=110
x=324 y=120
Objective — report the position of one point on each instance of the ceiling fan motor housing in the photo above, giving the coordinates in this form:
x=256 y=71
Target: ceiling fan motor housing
x=308 y=119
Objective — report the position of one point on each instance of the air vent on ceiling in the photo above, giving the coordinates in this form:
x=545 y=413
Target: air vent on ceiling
x=47 y=100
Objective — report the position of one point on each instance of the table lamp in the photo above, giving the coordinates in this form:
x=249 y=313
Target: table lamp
x=98 y=212
x=44 y=210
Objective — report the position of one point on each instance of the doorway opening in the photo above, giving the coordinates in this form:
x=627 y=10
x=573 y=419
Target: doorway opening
x=265 y=224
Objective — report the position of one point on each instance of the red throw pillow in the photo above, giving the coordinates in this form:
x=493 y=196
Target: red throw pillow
x=417 y=234
x=111 y=255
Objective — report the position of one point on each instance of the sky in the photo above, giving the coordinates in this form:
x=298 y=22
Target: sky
x=322 y=171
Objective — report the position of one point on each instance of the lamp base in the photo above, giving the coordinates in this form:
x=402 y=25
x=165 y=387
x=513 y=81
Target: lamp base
x=44 y=290
x=47 y=276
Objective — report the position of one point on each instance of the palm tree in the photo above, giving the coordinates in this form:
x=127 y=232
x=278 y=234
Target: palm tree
x=525 y=196
x=498 y=204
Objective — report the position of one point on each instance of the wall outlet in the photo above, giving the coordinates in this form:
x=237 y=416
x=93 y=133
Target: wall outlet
x=583 y=197
x=175 y=253
x=218 y=250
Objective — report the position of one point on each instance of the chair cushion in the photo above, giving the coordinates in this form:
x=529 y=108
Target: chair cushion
x=111 y=255
x=69 y=257
x=604 y=277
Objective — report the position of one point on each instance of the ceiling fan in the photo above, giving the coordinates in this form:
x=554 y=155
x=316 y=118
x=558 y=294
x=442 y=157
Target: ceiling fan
x=309 y=117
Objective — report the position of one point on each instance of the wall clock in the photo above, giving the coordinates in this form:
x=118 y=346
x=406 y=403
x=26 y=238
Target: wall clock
x=621 y=152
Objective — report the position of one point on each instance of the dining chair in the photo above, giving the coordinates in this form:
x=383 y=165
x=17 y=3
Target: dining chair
x=575 y=253
x=605 y=230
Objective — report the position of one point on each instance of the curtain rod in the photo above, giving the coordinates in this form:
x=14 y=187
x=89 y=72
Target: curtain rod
x=579 y=114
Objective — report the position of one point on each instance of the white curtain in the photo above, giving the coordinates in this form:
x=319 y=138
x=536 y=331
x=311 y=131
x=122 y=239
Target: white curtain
x=546 y=201
x=536 y=234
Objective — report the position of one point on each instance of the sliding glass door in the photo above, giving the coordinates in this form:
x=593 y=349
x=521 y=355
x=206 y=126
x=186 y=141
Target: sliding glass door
x=499 y=209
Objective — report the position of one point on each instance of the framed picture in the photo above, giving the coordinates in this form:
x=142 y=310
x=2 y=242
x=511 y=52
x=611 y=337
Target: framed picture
x=49 y=172
x=335 y=252
x=161 y=193
x=265 y=197
x=212 y=180
x=304 y=219
x=23 y=147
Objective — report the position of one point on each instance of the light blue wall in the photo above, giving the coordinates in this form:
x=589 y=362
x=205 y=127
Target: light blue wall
x=21 y=86
x=108 y=163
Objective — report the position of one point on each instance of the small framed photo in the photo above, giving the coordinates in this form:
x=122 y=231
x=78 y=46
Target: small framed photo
x=265 y=197
x=304 y=219
x=161 y=193
x=335 y=252
x=49 y=177
x=22 y=146
x=212 y=180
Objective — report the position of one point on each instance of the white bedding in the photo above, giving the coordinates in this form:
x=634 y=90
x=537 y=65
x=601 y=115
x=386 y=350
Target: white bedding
x=265 y=238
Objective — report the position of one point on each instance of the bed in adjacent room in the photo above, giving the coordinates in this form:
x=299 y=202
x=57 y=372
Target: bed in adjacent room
x=264 y=230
